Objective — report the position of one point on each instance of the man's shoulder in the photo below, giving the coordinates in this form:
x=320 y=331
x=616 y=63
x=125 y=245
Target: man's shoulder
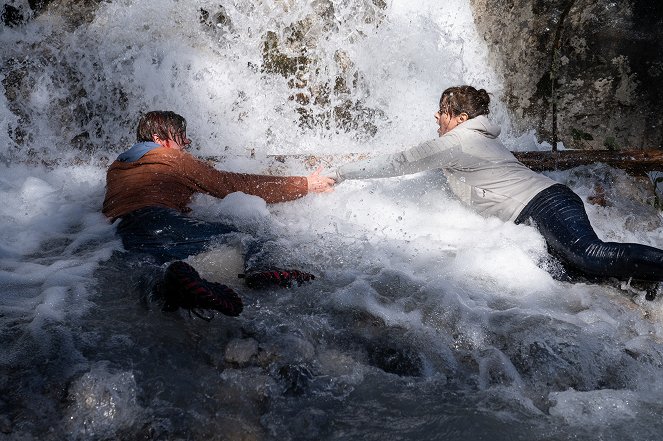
x=163 y=151
x=166 y=154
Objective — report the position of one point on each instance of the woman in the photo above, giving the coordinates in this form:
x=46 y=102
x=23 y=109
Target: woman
x=487 y=177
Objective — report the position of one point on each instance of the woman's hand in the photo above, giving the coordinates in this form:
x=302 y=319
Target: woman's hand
x=318 y=183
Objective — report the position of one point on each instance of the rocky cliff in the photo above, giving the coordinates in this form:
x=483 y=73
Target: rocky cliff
x=582 y=72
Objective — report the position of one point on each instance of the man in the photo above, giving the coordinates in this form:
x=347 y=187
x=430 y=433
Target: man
x=148 y=189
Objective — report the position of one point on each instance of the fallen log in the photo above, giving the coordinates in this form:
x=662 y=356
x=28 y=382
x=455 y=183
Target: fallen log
x=642 y=163
x=634 y=162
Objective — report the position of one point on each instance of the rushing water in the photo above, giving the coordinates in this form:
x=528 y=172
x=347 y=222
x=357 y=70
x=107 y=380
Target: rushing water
x=426 y=321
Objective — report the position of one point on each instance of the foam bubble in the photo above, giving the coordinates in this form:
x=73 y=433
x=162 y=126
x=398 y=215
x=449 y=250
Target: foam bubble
x=602 y=407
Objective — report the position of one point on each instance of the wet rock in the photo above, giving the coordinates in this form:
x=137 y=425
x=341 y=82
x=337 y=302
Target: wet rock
x=218 y=21
x=388 y=348
x=17 y=83
x=247 y=390
x=296 y=379
x=594 y=66
x=38 y=5
x=102 y=403
x=5 y=424
x=81 y=142
x=309 y=424
x=241 y=352
x=12 y=16
x=75 y=12
x=295 y=53
x=629 y=198
x=286 y=347
x=298 y=348
x=337 y=364
x=238 y=427
x=496 y=369
x=394 y=360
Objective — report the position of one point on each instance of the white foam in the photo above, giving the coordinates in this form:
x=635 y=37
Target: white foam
x=602 y=407
x=52 y=240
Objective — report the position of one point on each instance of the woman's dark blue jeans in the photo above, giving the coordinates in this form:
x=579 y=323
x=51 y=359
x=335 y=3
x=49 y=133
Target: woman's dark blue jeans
x=559 y=214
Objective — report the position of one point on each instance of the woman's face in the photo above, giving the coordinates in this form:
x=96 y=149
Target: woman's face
x=446 y=122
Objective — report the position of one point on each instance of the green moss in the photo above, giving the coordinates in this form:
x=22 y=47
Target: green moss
x=579 y=135
x=610 y=143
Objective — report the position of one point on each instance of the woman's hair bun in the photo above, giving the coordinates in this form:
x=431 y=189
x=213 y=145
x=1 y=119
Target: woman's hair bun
x=465 y=99
x=483 y=101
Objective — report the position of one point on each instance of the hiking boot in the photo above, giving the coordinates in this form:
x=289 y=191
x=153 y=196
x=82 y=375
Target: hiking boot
x=278 y=277
x=182 y=287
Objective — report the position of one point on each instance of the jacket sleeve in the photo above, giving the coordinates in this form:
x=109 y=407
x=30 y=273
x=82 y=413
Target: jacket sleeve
x=437 y=153
x=206 y=179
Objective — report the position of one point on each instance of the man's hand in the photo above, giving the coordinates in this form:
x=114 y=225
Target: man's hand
x=318 y=183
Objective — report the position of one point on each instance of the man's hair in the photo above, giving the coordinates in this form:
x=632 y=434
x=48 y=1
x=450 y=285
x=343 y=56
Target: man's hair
x=164 y=124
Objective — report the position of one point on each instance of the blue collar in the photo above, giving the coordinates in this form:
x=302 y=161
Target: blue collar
x=137 y=151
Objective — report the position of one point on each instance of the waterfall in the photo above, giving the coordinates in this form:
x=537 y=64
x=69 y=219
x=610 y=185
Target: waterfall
x=426 y=320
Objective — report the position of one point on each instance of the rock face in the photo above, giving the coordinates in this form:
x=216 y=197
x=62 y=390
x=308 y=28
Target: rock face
x=295 y=55
x=74 y=11
x=578 y=71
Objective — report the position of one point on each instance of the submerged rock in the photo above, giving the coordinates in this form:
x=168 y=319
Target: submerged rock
x=241 y=352
x=394 y=360
x=5 y=424
x=12 y=16
x=295 y=378
x=103 y=403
